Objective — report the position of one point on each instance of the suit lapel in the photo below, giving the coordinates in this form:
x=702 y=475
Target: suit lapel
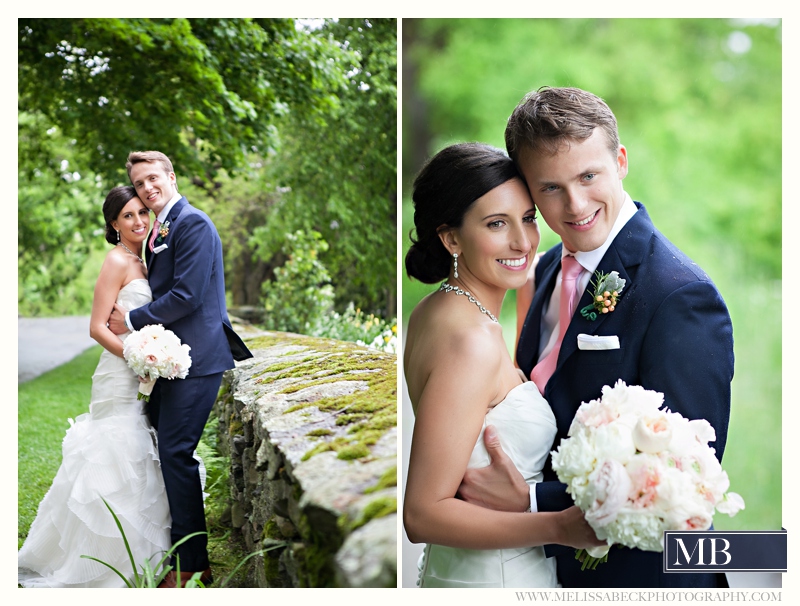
x=528 y=348
x=174 y=213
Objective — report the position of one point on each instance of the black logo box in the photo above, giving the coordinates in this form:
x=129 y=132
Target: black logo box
x=727 y=551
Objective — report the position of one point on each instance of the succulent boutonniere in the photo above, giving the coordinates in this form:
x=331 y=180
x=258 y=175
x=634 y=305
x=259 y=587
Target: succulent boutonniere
x=607 y=291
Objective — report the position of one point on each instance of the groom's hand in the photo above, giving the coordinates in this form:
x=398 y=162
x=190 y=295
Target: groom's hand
x=116 y=322
x=499 y=486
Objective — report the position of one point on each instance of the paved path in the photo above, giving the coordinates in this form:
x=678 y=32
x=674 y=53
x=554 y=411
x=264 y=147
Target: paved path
x=45 y=343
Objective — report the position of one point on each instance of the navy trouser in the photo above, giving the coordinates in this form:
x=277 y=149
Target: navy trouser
x=179 y=410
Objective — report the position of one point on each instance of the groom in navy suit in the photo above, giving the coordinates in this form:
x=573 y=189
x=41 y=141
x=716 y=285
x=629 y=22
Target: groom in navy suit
x=670 y=331
x=184 y=261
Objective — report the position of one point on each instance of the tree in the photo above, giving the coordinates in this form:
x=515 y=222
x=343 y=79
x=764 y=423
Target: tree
x=340 y=172
x=209 y=92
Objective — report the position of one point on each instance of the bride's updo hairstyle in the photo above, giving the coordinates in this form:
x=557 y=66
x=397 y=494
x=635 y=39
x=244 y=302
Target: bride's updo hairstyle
x=444 y=190
x=116 y=200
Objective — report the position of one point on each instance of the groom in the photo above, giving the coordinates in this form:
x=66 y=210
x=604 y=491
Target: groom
x=669 y=332
x=184 y=261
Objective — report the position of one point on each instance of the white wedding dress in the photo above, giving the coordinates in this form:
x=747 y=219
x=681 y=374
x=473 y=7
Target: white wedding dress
x=527 y=428
x=108 y=453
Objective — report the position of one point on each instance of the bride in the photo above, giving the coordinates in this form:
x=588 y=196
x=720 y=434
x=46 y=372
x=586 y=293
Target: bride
x=110 y=452
x=476 y=228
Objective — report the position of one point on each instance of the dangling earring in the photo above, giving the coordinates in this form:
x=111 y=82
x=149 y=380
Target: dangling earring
x=117 y=235
x=455 y=265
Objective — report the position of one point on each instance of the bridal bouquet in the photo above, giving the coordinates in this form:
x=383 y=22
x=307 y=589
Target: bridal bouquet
x=637 y=470
x=154 y=352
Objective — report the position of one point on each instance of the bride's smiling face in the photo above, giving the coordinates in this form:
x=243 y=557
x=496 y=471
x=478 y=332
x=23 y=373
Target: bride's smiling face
x=498 y=237
x=133 y=221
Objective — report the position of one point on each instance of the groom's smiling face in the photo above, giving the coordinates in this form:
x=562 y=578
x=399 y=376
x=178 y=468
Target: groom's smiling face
x=154 y=185
x=578 y=190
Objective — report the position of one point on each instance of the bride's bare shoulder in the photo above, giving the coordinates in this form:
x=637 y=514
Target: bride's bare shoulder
x=461 y=335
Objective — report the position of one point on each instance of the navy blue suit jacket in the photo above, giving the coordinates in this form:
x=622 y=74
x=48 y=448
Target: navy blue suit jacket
x=675 y=337
x=188 y=285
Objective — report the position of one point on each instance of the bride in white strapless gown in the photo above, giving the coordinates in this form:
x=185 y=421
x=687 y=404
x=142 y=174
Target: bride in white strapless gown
x=526 y=427
x=476 y=234
x=109 y=452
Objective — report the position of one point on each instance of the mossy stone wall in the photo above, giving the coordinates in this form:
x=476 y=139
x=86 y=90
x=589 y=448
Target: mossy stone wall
x=311 y=429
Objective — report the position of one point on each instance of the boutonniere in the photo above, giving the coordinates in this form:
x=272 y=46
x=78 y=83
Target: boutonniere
x=163 y=230
x=607 y=291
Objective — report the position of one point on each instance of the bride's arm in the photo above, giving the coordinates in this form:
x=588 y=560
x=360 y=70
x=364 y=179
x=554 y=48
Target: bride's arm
x=109 y=283
x=449 y=417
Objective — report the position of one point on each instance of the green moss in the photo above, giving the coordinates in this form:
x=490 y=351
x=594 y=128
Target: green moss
x=272 y=568
x=367 y=414
x=284 y=339
x=330 y=369
x=316 y=555
x=378 y=508
x=315 y=566
x=235 y=428
x=271 y=530
x=279 y=366
x=353 y=451
x=316 y=433
x=324 y=447
x=387 y=480
x=224 y=389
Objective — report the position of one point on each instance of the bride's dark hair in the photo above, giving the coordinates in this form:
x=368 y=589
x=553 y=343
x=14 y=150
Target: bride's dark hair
x=444 y=190
x=116 y=200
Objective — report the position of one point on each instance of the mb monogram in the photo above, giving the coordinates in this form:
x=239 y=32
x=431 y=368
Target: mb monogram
x=734 y=551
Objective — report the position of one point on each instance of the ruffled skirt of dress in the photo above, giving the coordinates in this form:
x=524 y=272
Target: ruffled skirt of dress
x=109 y=453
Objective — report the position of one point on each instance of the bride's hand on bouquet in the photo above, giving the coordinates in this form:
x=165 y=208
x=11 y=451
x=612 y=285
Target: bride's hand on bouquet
x=576 y=531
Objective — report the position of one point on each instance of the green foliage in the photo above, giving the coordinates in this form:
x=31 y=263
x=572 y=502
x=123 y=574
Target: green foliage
x=207 y=91
x=59 y=216
x=301 y=291
x=148 y=576
x=269 y=123
x=340 y=174
x=356 y=326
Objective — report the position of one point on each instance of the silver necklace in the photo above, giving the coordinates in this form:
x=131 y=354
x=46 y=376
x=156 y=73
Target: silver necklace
x=130 y=251
x=449 y=287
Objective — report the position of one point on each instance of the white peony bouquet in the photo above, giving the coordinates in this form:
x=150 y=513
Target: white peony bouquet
x=637 y=470
x=154 y=352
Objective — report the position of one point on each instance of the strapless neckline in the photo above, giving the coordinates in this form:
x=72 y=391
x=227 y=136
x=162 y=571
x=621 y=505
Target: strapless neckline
x=135 y=280
x=508 y=394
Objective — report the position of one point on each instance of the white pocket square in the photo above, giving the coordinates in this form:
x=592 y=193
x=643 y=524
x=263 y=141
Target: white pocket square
x=158 y=249
x=596 y=343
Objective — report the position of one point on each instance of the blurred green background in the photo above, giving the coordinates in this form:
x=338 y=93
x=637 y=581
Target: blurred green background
x=698 y=103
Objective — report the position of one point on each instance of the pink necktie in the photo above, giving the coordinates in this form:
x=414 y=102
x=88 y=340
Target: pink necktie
x=570 y=270
x=153 y=235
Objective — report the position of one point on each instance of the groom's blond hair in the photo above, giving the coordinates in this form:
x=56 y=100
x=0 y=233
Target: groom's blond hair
x=135 y=157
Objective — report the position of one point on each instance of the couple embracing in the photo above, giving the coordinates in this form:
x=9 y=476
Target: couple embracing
x=140 y=457
x=481 y=492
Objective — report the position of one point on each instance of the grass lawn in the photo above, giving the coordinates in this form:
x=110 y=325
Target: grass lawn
x=45 y=404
